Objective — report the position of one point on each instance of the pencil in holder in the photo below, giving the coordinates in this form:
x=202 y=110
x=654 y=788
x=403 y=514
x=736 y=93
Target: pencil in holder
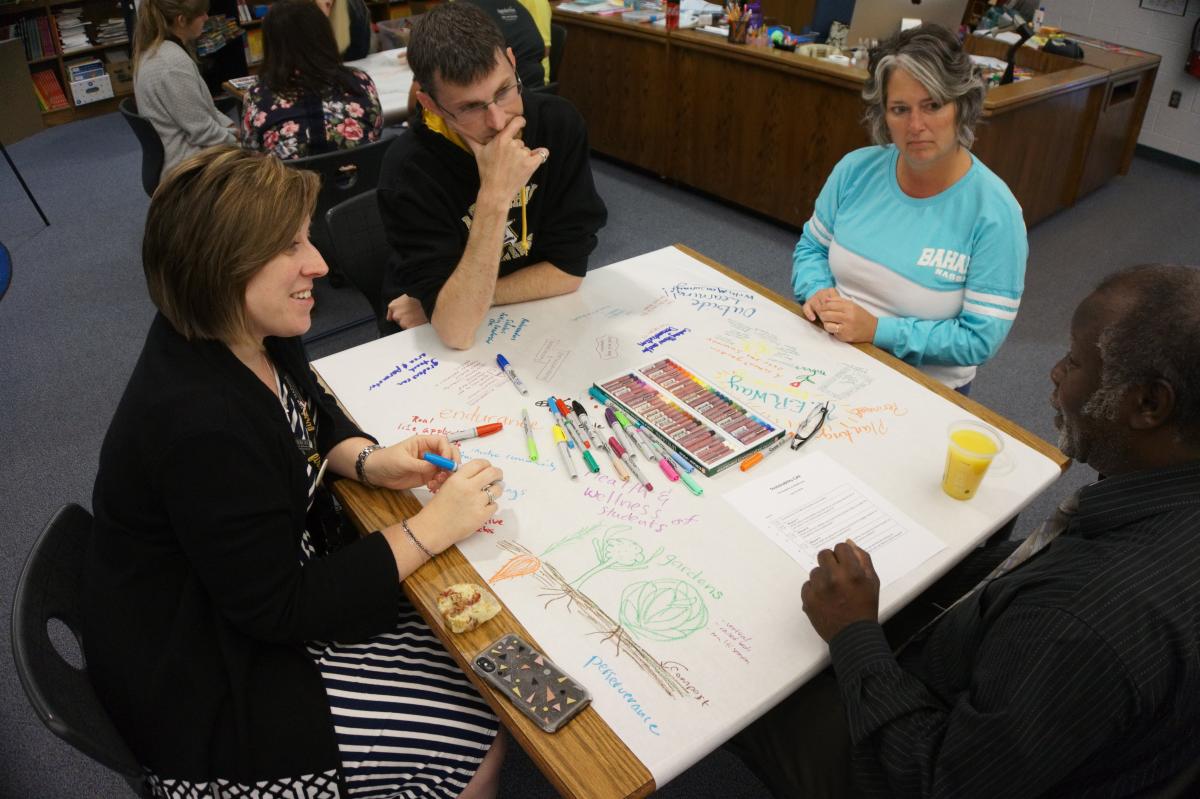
x=738 y=29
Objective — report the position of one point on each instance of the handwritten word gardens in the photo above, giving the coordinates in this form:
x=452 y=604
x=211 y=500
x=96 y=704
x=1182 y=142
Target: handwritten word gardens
x=408 y=371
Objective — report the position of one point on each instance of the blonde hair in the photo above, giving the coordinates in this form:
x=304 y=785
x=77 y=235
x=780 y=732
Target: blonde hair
x=154 y=21
x=214 y=222
x=339 y=20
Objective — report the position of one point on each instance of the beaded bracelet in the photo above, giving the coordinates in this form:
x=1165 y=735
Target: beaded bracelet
x=413 y=538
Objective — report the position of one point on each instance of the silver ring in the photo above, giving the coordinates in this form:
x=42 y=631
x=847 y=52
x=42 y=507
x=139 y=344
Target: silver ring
x=545 y=156
x=487 y=489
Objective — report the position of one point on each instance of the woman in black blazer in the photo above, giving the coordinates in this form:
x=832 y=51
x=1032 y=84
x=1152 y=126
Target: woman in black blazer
x=226 y=608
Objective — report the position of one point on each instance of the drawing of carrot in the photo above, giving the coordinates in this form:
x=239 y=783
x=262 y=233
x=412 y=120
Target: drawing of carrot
x=517 y=566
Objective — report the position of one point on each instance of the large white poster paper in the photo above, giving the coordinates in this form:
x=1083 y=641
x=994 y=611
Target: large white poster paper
x=679 y=615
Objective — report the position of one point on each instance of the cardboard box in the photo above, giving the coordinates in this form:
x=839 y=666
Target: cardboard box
x=121 y=75
x=91 y=89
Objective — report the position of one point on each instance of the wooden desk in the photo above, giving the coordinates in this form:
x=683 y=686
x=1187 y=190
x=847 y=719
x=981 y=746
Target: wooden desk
x=763 y=128
x=389 y=71
x=586 y=758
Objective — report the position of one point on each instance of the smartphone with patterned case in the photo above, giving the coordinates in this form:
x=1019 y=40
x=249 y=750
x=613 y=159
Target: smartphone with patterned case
x=531 y=681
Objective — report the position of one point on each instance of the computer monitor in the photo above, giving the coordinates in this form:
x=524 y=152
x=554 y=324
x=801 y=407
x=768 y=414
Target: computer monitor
x=879 y=19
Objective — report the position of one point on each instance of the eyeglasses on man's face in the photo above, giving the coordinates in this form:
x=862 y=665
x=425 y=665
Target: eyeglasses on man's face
x=474 y=113
x=810 y=426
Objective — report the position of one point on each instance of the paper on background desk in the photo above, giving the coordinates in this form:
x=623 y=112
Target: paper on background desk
x=811 y=503
x=679 y=616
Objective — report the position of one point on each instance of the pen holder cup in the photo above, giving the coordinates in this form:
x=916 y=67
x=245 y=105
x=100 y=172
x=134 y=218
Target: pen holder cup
x=738 y=31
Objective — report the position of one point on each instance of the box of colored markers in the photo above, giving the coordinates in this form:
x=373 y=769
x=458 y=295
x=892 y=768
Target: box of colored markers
x=690 y=414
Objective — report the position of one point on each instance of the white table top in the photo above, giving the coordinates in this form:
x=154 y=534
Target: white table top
x=389 y=69
x=595 y=554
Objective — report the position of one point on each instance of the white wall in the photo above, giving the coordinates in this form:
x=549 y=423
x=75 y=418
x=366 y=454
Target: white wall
x=1175 y=130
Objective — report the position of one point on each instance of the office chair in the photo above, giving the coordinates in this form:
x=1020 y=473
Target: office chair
x=62 y=695
x=344 y=174
x=558 y=41
x=361 y=249
x=152 y=148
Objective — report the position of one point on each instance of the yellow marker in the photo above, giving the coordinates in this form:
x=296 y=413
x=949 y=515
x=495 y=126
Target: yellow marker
x=971 y=449
x=524 y=226
x=560 y=438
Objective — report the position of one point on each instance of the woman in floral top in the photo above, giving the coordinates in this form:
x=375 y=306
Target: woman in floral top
x=305 y=102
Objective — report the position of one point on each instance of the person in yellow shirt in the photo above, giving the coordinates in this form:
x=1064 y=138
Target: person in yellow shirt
x=540 y=11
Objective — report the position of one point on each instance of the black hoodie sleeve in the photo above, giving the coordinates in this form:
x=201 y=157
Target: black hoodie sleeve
x=571 y=211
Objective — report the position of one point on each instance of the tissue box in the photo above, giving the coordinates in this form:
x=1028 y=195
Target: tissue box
x=90 y=90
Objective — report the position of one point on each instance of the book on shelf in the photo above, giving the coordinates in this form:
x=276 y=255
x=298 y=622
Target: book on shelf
x=84 y=68
x=49 y=88
x=254 y=46
x=111 y=31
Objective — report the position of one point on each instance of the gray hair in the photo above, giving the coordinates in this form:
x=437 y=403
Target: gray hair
x=933 y=56
x=1154 y=338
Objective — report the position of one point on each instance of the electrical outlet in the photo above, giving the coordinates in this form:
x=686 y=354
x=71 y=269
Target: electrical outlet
x=1176 y=96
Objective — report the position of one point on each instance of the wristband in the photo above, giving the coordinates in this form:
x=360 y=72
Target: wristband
x=413 y=538
x=361 y=462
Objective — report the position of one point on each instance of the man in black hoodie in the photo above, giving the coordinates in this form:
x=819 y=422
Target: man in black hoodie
x=489 y=200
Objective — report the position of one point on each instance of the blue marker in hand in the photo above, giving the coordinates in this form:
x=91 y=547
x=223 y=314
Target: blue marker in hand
x=440 y=462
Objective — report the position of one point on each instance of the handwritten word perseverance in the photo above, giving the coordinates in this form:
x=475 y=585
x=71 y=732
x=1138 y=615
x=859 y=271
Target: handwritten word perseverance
x=615 y=683
x=410 y=370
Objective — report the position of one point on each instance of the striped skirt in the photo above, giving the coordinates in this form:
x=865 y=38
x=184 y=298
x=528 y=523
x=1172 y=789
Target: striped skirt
x=408 y=723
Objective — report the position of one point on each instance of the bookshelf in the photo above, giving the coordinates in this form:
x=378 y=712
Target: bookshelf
x=36 y=23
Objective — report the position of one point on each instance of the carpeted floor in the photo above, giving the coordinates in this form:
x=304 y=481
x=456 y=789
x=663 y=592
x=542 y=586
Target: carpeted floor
x=72 y=323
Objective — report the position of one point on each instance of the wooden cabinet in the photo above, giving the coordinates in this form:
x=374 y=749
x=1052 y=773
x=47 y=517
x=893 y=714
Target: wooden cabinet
x=763 y=128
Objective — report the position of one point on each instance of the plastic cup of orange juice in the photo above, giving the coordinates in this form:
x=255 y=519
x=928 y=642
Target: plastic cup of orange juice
x=971 y=449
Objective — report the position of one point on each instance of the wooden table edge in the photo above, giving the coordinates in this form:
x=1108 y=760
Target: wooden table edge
x=1038 y=444
x=372 y=509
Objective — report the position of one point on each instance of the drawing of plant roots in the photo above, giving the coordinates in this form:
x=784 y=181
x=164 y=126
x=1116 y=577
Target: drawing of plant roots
x=557 y=587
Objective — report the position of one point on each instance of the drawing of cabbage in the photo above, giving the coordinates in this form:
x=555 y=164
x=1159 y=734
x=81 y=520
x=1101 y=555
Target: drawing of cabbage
x=663 y=610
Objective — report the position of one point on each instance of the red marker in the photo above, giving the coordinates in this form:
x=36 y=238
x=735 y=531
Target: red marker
x=476 y=432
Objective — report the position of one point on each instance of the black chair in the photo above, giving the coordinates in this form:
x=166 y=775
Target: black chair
x=558 y=40
x=61 y=694
x=152 y=147
x=361 y=248
x=344 y=174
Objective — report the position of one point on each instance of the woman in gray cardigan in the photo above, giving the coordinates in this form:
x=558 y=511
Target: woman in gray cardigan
x=167 y=84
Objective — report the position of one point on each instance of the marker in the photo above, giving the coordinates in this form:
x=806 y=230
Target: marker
x=755 y=459
x=569 y=424
x=560 y=438
x=633 y=433
x=476 y=432
x=660 y=455
x=530 y=444
x=440 y=462
x=681 y=461
x=552 y=404
x=621 y=436
x=628 y=459
x=687 y=479
x=508 y=370
x=622 y=472
x=581 y=417
x=598 y=395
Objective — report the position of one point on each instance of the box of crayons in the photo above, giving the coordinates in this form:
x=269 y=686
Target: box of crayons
x=689 y=414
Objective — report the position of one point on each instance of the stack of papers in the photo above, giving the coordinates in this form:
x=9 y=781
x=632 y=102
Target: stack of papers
x=72 y=31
